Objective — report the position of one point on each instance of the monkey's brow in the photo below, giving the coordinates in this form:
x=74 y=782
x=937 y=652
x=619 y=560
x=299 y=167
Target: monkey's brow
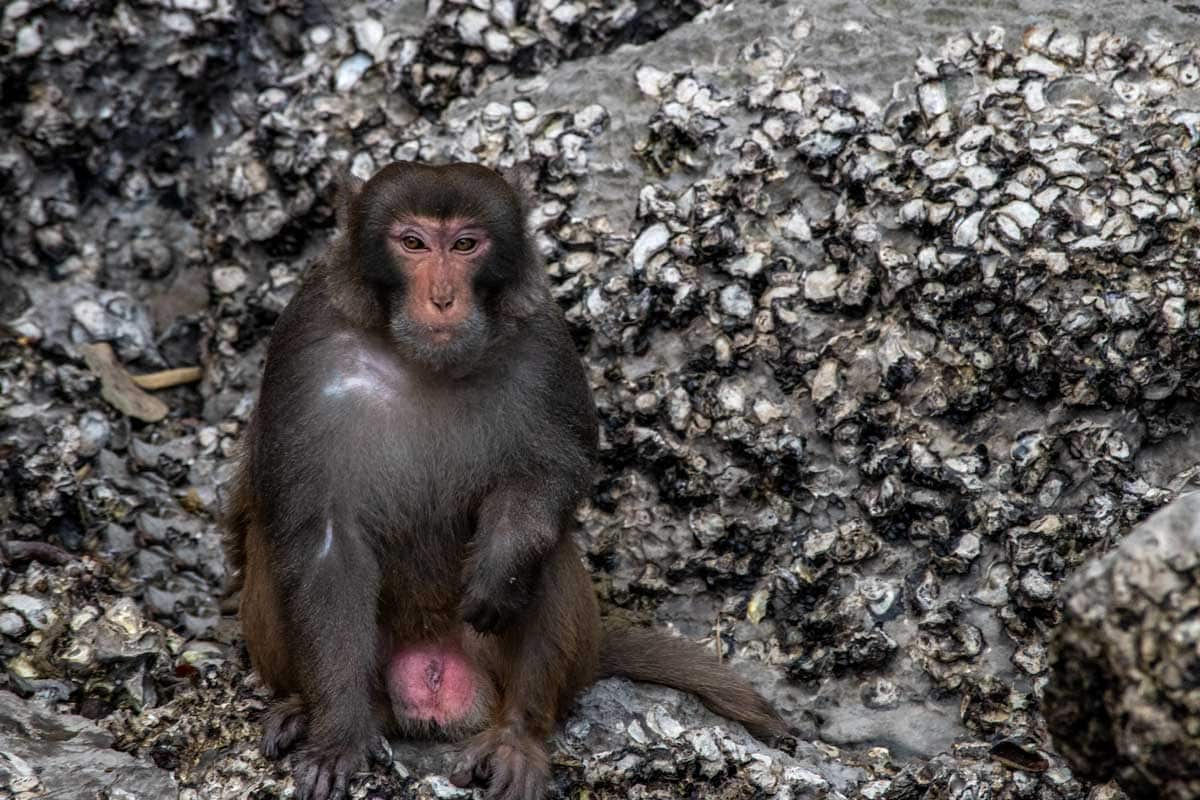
x=420 y=220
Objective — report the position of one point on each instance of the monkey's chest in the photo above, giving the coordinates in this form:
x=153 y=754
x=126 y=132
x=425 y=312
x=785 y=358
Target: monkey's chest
x=424 y=503
x=430 y=467
x=436 y=480
x=409 y=452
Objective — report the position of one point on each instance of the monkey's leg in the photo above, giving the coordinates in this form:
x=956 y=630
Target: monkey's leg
x=547 y=660
x=266 y=638
x=330 y=585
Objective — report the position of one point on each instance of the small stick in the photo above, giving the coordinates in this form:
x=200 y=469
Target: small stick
x=21 y=550
x=168 y=378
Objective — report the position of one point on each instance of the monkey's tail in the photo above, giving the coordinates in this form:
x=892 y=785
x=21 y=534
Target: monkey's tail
x=655 y=656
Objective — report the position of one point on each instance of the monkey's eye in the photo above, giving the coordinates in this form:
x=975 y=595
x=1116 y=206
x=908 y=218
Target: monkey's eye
x=411 y=242
x=464 y=245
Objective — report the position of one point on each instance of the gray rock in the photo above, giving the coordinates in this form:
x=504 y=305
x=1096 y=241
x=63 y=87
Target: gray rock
x=820 y=286
x=1119 y=702
x=37 y=612
x=12 y=624
x=227 y=280
x=44 y=754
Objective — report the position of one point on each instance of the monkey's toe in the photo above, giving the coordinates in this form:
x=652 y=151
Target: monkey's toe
x=471 y=769
x=283 y=727
x=516 y=780
x=380 y=752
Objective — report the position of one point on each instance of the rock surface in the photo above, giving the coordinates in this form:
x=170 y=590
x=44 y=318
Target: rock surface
x=46 y=754
x=1121 y=701
x=890 y=316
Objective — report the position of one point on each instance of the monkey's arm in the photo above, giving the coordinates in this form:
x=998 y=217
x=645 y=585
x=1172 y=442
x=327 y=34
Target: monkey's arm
x=522 y=519
x=519 y=524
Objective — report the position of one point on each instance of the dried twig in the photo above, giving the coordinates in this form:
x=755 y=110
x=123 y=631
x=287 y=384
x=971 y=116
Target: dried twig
x=168 y=378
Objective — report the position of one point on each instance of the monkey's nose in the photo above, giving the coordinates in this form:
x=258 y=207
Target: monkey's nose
x=442 y=302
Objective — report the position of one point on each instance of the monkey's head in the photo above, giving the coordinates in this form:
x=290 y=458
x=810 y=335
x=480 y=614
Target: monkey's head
x=446 y=252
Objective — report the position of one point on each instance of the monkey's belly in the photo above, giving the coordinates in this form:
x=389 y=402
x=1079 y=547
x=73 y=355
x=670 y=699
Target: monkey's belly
x=433 y=683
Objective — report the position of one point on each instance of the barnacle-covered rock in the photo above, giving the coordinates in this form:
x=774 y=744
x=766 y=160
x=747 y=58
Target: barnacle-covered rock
x=1119 y=702
x=467 y=45
x=878 y=366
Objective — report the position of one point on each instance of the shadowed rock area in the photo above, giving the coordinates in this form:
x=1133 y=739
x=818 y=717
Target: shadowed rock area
x=889 y=313
x=1121 y=702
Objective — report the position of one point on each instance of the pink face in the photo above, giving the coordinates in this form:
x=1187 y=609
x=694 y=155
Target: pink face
x=440 y=259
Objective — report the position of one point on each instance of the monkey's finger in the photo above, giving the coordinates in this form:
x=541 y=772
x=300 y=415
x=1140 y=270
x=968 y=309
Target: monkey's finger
x=501 y=781
x=304 y=780
x=473 y=770
x=484 y=770
x=461 y=777
x=483 y=618
x=465 y=773
x=340 y=780
x=312 y=781
x=533 y=787
x=380 y=752
x=324 y=786
x=471 y=614
x=282 y=729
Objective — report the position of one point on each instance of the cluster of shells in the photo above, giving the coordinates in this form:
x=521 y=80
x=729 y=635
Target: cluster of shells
x=978 y=259
x=874 y=378
x=471 y=44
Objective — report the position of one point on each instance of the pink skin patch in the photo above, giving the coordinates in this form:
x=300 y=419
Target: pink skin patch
x=431 y=682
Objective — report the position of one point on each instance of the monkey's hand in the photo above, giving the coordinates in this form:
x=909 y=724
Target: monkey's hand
x=492 y=602
x=517 y=530
x=324 y=773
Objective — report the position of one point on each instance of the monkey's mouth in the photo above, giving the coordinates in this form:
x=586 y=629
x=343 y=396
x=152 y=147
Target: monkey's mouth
x=440 y=343
x=441 y=334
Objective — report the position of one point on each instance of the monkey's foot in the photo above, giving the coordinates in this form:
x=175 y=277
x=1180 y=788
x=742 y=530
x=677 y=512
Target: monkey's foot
x=511 y=765
x=283 y=726
x=326 y=776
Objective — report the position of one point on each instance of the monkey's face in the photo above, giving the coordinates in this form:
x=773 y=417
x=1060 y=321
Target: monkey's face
x=446 y=250
x=437 y=314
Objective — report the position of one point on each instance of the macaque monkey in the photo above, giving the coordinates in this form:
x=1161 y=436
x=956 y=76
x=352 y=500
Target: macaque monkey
x=400 y=524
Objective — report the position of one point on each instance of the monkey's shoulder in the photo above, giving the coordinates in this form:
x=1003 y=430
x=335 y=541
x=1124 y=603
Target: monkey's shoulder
x=343 y=367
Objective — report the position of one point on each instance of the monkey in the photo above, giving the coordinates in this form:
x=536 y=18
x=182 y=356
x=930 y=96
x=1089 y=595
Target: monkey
x=401 y=517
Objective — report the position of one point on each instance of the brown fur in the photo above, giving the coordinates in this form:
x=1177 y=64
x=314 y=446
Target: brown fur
x=392 y=493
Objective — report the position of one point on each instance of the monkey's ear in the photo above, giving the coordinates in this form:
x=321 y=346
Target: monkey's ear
x=346 y=187
x=522 y=177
